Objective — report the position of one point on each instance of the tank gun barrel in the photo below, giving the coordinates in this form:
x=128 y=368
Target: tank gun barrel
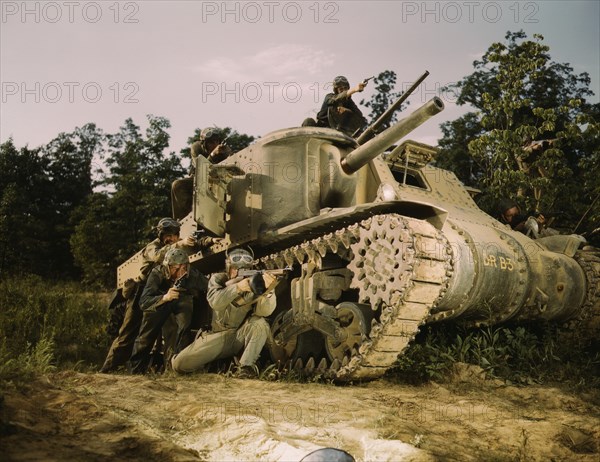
x=375 y=146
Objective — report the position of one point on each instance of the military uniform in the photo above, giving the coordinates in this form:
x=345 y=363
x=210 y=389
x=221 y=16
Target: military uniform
x=156 y=312
x=182 y=191
x=332 y=102
x=235 y=325
x=122 y=346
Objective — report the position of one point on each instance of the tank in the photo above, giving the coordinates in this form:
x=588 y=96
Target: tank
x=379 y=242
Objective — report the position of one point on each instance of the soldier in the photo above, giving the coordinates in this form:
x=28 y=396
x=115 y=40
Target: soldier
x=238 y=318
x=338 y=110
x=153 y=254
x=212 y=148
x=533 y=224
x=170 y=289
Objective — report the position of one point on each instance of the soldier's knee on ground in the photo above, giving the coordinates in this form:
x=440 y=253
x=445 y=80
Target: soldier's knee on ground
x=309 y=122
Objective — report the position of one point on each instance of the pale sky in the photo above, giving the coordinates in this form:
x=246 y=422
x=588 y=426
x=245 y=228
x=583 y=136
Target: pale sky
x=254 y=66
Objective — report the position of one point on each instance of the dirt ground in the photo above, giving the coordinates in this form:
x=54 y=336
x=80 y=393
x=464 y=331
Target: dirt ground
x=71 y=416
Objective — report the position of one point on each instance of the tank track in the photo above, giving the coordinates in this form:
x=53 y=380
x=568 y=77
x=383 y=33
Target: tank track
x=586 y=325
x=401 y=267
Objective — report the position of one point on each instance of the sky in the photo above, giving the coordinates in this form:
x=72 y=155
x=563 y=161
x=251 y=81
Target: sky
x=253 y=66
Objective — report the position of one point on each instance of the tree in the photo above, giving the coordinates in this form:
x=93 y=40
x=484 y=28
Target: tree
x=69 y=171
x=40 y=190
x=383 y=97
x=522 y=96
x=114 y=224
x=236 y=141
x=24 y=189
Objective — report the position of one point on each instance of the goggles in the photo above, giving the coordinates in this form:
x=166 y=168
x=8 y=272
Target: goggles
x=211 y=133
x=240 y=258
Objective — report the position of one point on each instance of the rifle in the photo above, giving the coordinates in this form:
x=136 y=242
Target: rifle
x=181 y=282
x=257 y=284
x=366 y=81
x=199 y=233
x=224 y=142
x=245 y=273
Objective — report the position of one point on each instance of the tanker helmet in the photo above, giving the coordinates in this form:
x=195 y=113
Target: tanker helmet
x=168 y=226
x=340 y=82
x=175 y=257
x=211 y=133
x=328 y=455
x=506 y=204
x=239 y=258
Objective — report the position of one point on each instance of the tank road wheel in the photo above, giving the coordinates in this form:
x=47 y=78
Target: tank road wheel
x=302 y=346
x=353 y=324
x=400 y=268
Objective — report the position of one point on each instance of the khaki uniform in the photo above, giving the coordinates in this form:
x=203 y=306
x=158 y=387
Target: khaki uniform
x=122 y=346
x=235 y=327
x=182 y=190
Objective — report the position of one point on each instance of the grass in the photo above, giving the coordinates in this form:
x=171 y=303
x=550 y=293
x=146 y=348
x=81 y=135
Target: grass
x=45 y=324
x=521 y=354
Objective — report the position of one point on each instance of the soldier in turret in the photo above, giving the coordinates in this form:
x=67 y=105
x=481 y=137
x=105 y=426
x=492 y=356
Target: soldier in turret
x=212 y=148
x=338 y=110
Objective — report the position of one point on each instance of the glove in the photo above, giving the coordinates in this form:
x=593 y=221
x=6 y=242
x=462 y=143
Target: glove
x=257 y=284
x=172 y=294
x=189 y=241
x=269 y=279
x=244 y=286
x=128 y=288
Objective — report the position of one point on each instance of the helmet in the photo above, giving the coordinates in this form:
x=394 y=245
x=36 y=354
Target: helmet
x=328 y=455
x=506 y=204
x=340 y=81
x=210 y=133
x=175 y=256
x=239 y=258
x=168 y=226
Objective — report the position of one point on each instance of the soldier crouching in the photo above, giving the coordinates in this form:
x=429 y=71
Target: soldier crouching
x=169 y=291
x=240 y=305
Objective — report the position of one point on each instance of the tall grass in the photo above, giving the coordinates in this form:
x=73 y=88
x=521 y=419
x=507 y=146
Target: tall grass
x=517 y=353
x=46 y=323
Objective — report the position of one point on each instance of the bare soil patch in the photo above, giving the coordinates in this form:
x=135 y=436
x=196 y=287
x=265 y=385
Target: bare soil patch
x=98 y=417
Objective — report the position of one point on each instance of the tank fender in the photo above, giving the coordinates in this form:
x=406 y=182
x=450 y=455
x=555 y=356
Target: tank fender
x=567 y=245
x=433 y=214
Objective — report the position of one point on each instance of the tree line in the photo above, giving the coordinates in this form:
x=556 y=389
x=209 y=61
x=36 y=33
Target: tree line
x=85 y=202
x=82 y=204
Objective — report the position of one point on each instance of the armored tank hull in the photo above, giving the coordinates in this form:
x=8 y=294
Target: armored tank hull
x=380 y=242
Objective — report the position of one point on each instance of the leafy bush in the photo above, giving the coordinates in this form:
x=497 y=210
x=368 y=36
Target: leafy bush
x=518 y=353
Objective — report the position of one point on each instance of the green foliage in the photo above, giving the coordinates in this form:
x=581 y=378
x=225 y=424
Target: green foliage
x=521 y=95
x=61 y=315
x=41 y=188
x=24 y=187
x=236 y=141
x=35 y=360
x=114 y=224
x=519 y=353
